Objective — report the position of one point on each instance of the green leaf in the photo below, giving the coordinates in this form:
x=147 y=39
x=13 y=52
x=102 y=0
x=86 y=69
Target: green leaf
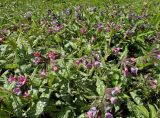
x=40 y=107
x=143 y=111
x=124 y=54
x=136 y=98
x=11 y=66
x=100 y=87
x=33 y=74
x=82 y=115
x=153 y=111
x=4 y=114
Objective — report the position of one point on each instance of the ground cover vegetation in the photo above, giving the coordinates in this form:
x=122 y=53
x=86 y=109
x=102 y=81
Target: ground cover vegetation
x=79 y=59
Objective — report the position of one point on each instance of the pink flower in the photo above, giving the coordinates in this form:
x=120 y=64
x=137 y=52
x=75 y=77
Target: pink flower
x=55 y=68
x=11 y=79
x=52 y=55
x=113 y=100
x=83 y=30
x=92 y=112
x=43 y=73
x=77 y=62
x=117 y=50
x=17 y=91
x=21 y=80
x=154 y=84
x=108 y=115
x=37 y=60
x=155 y=81
x=125 y=72
x=116 y=90
x=96 y=64
x=1 y=39
x=26 y=94
x=158 y=56
x=58 y=28
x=133 y=60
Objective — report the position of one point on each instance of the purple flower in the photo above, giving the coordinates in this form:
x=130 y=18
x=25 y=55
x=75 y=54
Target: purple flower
x=113 y=100
x=92 y=112
x=21 y=80
x=88 y=65
x=68 y=11
x=108 y=115
x=84 y=60
x=134 y=70
x=100 y=25
x=107 y=108
x=17 y=91
x=11 y=79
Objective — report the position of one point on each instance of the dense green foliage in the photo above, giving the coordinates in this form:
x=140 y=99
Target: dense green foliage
x=79 y=59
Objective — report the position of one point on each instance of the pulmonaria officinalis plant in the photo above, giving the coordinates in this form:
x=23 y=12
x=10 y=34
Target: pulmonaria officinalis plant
x=95 y=60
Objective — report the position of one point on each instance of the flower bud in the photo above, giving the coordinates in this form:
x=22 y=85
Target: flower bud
x=37 y=54
x=125 y=72
x=83 y=30
x=55 y=69
x=26 y=94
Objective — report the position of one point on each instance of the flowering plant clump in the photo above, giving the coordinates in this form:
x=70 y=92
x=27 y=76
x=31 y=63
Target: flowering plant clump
x=79 y=59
